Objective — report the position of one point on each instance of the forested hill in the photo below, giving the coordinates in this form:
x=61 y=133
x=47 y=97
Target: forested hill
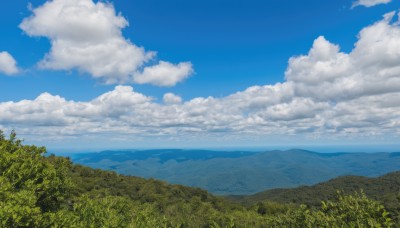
x=49 y=191
x=385 y=189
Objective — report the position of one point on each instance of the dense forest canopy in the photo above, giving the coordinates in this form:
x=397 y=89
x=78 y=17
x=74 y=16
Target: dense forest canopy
x=49 y=191
x=385 y=189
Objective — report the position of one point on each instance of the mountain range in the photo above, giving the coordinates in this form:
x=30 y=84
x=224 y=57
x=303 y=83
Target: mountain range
x=240 y=172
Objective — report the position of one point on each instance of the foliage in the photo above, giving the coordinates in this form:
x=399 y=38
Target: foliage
x=348 y=211
x=30 y=185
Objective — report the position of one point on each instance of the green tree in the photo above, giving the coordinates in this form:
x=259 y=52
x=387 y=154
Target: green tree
x=30 y=185
x=348 y=211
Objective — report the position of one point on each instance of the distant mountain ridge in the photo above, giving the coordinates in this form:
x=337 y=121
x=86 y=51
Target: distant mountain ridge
x=240 y=172
x=163 y=155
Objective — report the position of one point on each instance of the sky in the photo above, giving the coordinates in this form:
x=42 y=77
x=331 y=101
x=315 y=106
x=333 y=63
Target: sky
x=90 y=75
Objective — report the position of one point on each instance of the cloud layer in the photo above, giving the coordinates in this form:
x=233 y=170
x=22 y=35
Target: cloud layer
x=369 y=3
x=327 y=93
x=87 y=36
x=8 y=65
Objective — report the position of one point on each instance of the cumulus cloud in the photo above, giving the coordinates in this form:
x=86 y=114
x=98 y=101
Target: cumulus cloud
x=170 y=98
x=87 y=36
x=371 y=68
x=164 y=74
x=327 y=93
x=369 y=3
x=8 y=65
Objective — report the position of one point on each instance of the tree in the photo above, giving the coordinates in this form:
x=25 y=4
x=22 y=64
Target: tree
x=30 y=185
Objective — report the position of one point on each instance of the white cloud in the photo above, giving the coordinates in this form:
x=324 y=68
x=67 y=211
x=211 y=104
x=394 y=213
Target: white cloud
x=323 y=63
x=164 y=74
x=170 y=98
x=8 y=65
x=87 y=36
x=369 y=3
x=327 y=93
x=371 y=68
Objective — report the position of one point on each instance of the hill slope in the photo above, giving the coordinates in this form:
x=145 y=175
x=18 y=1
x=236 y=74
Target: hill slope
x=241 y=173
x=385 y=189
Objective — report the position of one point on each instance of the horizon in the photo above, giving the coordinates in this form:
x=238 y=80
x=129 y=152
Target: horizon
x=90 y=75
x=313 y=148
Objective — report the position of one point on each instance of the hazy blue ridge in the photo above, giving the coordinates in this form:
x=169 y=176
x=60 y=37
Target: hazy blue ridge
x=240 y=172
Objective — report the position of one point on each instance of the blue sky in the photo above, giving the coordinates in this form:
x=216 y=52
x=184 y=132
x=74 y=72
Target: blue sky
x=201 y=73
